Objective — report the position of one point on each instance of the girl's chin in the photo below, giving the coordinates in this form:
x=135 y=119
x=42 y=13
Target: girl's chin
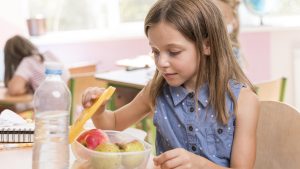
x=174 y=84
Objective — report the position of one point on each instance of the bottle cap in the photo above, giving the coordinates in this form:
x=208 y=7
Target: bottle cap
x=53 y=68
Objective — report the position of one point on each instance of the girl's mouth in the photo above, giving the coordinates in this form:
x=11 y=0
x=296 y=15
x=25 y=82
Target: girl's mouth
x=169 y=75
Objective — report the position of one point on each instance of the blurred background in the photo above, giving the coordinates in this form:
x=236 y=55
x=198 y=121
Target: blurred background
x=105 y=31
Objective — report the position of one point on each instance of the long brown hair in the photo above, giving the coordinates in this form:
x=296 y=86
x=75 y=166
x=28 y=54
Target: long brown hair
x=15 y=50
x=199 y=20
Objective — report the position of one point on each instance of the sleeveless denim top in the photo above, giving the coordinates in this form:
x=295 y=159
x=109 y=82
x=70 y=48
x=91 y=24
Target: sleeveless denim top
x=180 y=125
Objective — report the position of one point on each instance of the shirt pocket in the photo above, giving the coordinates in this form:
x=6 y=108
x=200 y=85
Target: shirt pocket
x=219 y=141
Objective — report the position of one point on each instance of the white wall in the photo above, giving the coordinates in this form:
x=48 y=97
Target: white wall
x=284 y=42
x=296 y=72
x=13 y=15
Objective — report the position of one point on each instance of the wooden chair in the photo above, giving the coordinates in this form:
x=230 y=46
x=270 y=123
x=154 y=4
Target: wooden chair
x=278 y=138
x=273 y=90
x=82 y=77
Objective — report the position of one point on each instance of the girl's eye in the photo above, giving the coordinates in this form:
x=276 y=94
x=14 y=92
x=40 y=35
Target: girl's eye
x=155 y=53
x=174 y=53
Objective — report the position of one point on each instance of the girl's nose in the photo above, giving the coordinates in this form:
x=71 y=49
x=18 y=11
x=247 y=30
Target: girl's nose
x=163 y=61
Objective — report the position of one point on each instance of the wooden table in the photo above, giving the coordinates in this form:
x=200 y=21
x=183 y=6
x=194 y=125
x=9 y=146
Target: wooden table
x=6 y=99
x=22 y=159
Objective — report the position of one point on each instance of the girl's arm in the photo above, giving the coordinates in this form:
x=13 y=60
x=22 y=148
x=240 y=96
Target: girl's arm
x=17 y=86
x=244 y=144
x=125 y=116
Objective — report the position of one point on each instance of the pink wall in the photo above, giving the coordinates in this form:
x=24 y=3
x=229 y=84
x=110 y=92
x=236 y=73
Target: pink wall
x=105 y=53
x=256 y=48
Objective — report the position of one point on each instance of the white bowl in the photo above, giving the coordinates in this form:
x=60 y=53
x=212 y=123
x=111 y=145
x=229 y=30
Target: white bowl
x=113 y=160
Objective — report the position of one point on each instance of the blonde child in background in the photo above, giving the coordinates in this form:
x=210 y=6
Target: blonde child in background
x=229 y=10
x=204 y=107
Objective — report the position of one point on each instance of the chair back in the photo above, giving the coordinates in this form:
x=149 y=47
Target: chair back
x=278 y=138
x=273 y=90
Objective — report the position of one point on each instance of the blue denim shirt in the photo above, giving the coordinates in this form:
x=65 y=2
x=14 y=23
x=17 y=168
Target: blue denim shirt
x=180 y=125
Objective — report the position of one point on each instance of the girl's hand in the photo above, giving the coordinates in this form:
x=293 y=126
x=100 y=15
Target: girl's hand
x=178 y=158
x=90 y=95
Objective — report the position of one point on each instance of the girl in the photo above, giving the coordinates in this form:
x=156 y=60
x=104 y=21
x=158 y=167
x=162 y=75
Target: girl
x=24 y=68
x=205 y=109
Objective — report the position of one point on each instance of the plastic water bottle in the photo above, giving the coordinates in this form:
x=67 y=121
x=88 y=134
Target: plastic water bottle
x=52 y=102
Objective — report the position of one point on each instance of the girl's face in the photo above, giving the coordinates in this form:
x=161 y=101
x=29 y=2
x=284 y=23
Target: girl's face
x=175 y=56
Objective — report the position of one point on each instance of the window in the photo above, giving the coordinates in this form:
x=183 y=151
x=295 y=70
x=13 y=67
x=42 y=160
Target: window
x=282 y=11
x=288 y=7
x=64 y=15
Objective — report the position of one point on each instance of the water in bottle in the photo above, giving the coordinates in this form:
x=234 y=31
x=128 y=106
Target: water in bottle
x=52 y=102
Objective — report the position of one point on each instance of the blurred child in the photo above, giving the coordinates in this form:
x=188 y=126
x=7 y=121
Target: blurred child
x=24 y=66
x=229 y=9
x=205 y=109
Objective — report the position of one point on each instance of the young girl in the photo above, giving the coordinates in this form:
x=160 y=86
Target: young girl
x=205 y=110
x=24 y=66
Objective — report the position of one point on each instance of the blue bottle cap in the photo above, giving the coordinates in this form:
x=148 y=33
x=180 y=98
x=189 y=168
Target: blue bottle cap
x=53 y=68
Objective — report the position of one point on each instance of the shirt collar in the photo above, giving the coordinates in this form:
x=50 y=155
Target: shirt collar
x=180 y=93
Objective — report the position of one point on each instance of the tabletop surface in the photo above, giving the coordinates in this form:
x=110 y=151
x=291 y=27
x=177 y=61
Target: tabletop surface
x=7 y=99
x=134 y=78
x=21 y=158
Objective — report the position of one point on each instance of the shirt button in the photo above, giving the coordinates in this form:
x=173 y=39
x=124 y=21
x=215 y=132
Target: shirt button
x=220 y=131
x=192 y=109
x=194 y=148
x=191 y=95
x=191 y=128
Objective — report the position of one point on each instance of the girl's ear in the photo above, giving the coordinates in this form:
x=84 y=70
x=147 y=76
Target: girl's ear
x=206 y=47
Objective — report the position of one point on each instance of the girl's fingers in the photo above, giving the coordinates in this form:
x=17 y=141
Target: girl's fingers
x=90 y=95
x=88 y=104
x=159 y=160
x=94 y=97
x=172 y=163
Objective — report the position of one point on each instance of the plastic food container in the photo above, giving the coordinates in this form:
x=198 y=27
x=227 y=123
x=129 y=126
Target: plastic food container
x=112 y=160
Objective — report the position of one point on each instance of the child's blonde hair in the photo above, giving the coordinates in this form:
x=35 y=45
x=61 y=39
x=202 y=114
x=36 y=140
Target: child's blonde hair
x=234 y=4
x=198 y=20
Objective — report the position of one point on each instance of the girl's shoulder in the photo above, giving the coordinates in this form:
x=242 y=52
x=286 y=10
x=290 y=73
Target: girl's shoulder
x=32 y=58
x=246 y=95
x=236 y=87
x=248 y=104
x=30 y=61
x=241 y=90
x=236 y=84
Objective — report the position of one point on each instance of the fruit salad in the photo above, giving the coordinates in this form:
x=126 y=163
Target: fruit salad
x=102 y=149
